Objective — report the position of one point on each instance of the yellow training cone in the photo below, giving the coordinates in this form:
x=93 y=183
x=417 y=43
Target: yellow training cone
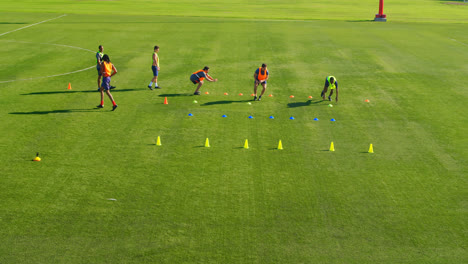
x=158 y=142
x=207 y=143
x=246 y=144
x=332 y=147
x=371 y=149
x=280 y=145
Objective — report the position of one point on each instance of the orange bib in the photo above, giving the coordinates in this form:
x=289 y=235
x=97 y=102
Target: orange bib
x=261 y=76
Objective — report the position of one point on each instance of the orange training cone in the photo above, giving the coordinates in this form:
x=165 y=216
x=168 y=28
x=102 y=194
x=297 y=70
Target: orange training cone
x=69 y=86
x=165 y=100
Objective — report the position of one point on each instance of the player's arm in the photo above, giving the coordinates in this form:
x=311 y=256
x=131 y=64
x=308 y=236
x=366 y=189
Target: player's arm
x=268 y=76
x=114 y=70
x=336 y=84
x=157 y=61
x=209 y=78
x=98 y=59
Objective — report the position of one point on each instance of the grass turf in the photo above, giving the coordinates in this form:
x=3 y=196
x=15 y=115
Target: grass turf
x=183 y=203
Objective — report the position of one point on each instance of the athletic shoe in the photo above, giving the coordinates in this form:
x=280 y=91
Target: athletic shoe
x=157 y=87
x=151 y=88
x=100 y=106
x=259 y=98
x=329 y=98
x=114 y=107
x=196 y=93
x=112 y=87
x=255 y=98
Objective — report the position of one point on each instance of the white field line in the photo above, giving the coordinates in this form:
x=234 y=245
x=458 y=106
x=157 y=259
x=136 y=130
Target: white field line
x=60 y=45
x=459 y=42
x=42 y=77
x=32 y=25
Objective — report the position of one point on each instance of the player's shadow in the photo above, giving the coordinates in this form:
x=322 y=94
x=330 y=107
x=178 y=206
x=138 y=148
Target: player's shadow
x=63 y=111
x=73 y=91
x=173 y=95
x=361 y=20
x=307 y=103
x=224 y=102
x=13 y=23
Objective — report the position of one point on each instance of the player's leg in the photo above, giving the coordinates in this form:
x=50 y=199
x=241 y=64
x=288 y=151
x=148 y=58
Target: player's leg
x=114 y=105
x=154 y=70
x=155 y=80
x=264 y=85
x=197 y=91
x=101 y=90
x=324 y=92
x=99 y=77
x=255 y=89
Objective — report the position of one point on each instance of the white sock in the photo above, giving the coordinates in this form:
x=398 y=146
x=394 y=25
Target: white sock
x=156 y=84
x=151 y=84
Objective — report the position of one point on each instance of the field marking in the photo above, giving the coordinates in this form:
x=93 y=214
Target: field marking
x=42 y=77
x=42 y=43
x=50 y=76
x=459 y=42
x=32 y=25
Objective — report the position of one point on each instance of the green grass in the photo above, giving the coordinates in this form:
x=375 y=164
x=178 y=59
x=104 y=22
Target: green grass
x=184 y=203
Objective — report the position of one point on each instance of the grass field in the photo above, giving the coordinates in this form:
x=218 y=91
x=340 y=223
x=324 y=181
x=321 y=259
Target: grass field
x=105 y=193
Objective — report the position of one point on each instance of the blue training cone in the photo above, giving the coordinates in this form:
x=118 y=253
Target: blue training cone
x=250 y=117
x=316 y=119
x=333 y=120
x=292 y=118
x=272 y=117
x=224 y=115
x=190 y=114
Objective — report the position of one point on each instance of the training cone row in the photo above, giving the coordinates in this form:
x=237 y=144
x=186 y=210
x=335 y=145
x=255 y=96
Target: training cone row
x=246 y=145
x=371 y=148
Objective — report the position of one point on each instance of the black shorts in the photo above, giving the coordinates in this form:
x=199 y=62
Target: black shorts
x=194 y=80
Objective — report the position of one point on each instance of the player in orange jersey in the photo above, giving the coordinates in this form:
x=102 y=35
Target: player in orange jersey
x=107 y=70
x=199 y=76
x=261 y=77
